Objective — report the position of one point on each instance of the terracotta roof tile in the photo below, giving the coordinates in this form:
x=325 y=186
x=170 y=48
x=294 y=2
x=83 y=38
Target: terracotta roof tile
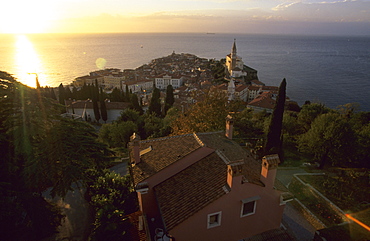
x=264 y=100
x=165 y=151
x=201 y=183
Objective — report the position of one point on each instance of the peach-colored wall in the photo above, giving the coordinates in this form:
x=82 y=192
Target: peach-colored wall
x=267 y=216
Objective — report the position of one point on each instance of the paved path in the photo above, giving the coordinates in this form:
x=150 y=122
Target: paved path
x=76 y=224
x=293 y=221
x=285 y=174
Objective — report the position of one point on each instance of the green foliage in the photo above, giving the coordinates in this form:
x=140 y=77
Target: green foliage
x=61 y=158
x=208 y=114
x=274 y=142
x=62 y=95
x=117 y=95
x=155 y=103
x=169 y=100
x=39 y=150
x=330 y=139
x=308 y=114
x=111 y=197
x=135 y=104
x=103 y=107
x=26 y=216
x=246 y=126
x=153 y=125
x=117 y=134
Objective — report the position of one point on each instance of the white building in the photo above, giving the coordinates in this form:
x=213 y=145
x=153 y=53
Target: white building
x=235 y=64
x=161 y=82
x=138 y=86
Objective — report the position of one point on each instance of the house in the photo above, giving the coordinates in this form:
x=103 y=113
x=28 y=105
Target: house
x=204 y=186
x=138 y=86
x=85 y=110
x=161 y=82
x=264 y=102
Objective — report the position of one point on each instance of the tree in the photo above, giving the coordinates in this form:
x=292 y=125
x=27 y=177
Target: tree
x=155 y=103
x=330 y=140
x=153 y=125
x=62 y=157
x=117 y=134
x=127 y=94
x=112 y=198
x=62 y=94
x=308 y=114
x=39 y=150
x=274 y=142
x=103 y=107
x=135 y=104
x=208 y=114
x=116 y=95
x=95 y=98
x=169 y=100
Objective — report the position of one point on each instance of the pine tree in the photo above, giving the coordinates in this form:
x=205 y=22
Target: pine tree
x=169 y=100
x=274 y=139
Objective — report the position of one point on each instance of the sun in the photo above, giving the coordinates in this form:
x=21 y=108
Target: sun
x=24 y=16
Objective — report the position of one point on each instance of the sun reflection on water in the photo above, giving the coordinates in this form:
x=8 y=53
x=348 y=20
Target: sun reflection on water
x=27 y=61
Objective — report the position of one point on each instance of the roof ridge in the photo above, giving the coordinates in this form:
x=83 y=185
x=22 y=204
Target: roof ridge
x=223 y=156
x=164 y=138
x=198 y=139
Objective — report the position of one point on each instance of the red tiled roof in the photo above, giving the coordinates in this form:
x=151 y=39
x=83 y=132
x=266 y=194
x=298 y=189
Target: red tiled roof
x=89 y=105
x=264 y=100
x=201 y=183
x=165 y=151
x=253 y=87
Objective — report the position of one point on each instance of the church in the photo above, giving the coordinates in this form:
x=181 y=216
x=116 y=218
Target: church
x=235 y=64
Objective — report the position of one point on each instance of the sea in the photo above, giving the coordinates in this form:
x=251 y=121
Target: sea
x=332 y=70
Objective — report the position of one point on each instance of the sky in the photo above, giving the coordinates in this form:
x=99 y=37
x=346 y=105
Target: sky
x=338 y=17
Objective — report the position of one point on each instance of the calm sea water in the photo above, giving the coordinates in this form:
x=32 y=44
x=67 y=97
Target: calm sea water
x=327 y=69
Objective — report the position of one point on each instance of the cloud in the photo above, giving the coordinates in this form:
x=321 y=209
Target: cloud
x=347 y=11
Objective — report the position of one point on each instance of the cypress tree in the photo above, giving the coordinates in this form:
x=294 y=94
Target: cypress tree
x=274 y=139
x=62 y=95
x=135 y=104
x=127 y=95
x=155 y=102
x=52 y=94
x=103 y=107
x=169 y=100
x=95 y=97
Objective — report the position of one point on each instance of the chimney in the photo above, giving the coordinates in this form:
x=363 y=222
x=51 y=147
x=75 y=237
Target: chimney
x=229 y=127
x=235 y=173
x=135 y=147
x=269 y=168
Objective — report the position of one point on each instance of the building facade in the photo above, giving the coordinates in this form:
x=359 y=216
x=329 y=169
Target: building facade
x=204 y=186
x=161 y=82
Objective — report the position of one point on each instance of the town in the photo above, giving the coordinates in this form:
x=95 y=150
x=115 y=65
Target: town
x=182 y=148
x=186 y=73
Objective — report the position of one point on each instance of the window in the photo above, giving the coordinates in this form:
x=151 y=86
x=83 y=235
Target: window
x=249 y=206
x=214 y=220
